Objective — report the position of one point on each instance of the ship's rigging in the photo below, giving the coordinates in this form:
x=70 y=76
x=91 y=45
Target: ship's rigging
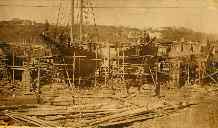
x=71 y=42
x=79 y=52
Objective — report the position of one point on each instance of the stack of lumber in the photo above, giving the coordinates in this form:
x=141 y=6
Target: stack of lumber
x=91 y=115
x=130 y=116
x=30 y=120
x=6 y=120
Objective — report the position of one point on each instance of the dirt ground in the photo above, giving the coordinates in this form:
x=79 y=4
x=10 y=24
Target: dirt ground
x=204 y=114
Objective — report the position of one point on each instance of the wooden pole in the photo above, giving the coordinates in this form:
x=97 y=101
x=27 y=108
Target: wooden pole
x=68 y=77
x=39 y=65
x=13 y=63
x=80 y=31
x=38 y=77
x=72 y=21
x=156 y=78
x=199 y=68
x=96 y=56
x=38 y=82
x=81 y=20
x=123 y=64
x=105 y=72
x=109 y=60
x=157 y=83
x=188 y=79
x=178 y=74
x=79 y=72
x=152 y=77
x=74 y=61
x=118 y=60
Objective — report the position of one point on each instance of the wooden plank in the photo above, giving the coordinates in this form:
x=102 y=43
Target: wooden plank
x=95 y=59
x=130 y=119
x=19 y=69
x=13 y=107
x=131 y=112
x=81 y=115
x=152 y=77
x=71 y=112
x=31 y=120
x=58 y=110
x=62 y=64
x=15 y=66
x=127 y=121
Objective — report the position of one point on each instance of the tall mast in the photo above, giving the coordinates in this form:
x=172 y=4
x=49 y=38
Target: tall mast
x=81 y=21
x=72 y=22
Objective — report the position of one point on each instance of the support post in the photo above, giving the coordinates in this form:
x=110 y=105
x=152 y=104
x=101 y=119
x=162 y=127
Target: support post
x=188 y=71
x=157 y=89
x=123 y=65
x=199 y=72
x=152 y=77
x=118 y=61
x=74 y=61
x=109 y=61
x=156 y=72
x=38 y=77
x=38 y=92
x=68 y=77
x=96 y=56
x=80 y=32
x=105 y=72
x=13 y=63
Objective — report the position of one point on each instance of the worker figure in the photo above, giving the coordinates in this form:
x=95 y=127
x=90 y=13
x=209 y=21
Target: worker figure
x=38 y=97
x=157 y=89
x=36 y=90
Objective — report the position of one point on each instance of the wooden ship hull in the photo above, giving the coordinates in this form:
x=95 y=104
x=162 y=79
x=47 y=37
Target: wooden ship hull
x=71 y=55
x=75 y=63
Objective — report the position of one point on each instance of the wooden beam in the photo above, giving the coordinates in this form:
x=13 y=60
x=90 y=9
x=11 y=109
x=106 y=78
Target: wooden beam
x=68 y=77
x=13 y=63
x=152 y=76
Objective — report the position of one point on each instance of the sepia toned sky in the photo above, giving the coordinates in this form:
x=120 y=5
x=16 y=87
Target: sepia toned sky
x=200 y=15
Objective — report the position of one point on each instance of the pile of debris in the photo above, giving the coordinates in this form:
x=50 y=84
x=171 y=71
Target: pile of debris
x=91 y=115
x=6 y=120
x=8 y=88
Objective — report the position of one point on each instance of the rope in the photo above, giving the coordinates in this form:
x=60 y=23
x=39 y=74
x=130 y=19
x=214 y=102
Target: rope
x=59 y=11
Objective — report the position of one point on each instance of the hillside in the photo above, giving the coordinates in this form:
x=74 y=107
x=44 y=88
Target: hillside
x=175 y=33
x=19 y=30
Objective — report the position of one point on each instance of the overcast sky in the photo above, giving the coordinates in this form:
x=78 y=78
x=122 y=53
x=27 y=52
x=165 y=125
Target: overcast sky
x=200 y=15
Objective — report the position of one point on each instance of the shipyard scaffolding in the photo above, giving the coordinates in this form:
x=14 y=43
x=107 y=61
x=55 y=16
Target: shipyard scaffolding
x=98 y=53
x=74 y=55
x=184 y=62
x=75 y=59
x=126 y=64
x=172 y=64
x=3 y=68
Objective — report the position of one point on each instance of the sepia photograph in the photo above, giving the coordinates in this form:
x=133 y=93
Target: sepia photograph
x=109 y=63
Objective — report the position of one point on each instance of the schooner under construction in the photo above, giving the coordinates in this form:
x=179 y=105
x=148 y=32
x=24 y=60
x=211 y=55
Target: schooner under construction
x=70 y=51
